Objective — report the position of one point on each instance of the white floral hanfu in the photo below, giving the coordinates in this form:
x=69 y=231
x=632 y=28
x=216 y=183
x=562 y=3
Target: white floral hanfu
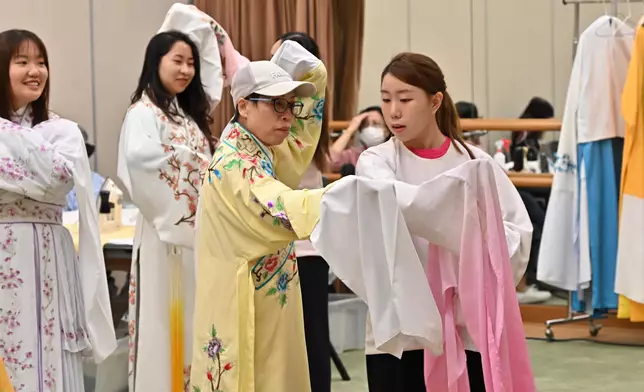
x=161 y=163
x=53 y=305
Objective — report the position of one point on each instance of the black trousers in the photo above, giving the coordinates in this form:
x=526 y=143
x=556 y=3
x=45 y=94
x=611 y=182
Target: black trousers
x=386 y=373
x=537 y=217
x=314 y=282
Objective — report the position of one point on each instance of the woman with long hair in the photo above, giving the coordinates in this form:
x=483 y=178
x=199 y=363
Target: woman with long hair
x=53 y=305
x=428 y=142
x=165 y=146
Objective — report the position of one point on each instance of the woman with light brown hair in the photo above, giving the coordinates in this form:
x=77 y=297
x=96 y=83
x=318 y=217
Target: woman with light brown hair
x=428 y=142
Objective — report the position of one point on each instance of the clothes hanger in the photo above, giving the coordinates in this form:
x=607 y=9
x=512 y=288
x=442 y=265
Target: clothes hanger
x=616 y=29
x=630 y=12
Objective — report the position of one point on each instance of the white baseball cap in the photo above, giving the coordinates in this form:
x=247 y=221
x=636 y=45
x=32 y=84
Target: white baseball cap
x=269 y=79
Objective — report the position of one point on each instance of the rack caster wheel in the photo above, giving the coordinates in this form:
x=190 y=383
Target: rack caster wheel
x=550 y=336
x=594 y=330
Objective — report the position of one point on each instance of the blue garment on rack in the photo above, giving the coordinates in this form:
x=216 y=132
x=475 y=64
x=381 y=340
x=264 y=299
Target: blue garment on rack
x=602 y=161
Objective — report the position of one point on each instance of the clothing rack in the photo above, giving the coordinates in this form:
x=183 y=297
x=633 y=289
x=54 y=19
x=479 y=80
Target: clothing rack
x=577 y=10
x=572 y=316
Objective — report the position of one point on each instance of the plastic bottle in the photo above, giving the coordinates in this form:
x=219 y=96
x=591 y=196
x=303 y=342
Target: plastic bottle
x=499 y=155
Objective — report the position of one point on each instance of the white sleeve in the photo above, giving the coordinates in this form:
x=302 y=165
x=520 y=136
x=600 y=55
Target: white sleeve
x=516 y=222
x=43 y=163
x=295 y=60
x=381 y=265
x=189 y=20
x=37 y=165
x=372 y=165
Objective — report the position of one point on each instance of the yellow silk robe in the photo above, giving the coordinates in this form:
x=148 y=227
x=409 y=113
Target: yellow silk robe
x=629 y=280
x=5 y=383
x=248 y=325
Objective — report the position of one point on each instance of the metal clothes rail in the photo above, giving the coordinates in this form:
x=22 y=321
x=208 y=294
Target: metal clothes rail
x=577 y=10
x=573 y=316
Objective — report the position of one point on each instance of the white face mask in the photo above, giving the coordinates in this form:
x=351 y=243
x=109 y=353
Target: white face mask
x=372 y=135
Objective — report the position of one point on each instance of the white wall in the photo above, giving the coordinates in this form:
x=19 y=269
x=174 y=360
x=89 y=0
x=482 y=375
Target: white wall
x=496 y=53
x=119 y=56
x=116 y=33
x=64 y=27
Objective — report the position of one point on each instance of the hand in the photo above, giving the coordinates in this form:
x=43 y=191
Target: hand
x=356 y=122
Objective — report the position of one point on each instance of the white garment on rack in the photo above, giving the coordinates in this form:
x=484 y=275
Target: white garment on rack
x=592 y=113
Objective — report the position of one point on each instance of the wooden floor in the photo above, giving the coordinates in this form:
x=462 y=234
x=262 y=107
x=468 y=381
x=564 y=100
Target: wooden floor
x=612 y=330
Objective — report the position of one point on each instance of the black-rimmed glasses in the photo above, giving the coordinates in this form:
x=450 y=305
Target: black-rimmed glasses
x=281 y=105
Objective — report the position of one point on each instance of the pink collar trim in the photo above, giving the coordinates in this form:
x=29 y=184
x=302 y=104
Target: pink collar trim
x=432 y=153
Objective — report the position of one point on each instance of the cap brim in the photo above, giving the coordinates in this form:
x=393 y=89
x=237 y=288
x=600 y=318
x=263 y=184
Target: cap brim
x=301 y=89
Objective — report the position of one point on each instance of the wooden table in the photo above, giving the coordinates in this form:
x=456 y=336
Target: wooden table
x=528 y=180
x=118 y=257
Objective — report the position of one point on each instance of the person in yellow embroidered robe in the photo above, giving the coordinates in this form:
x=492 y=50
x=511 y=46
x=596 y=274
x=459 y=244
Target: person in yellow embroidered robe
x=248 y=325
x=630 y=252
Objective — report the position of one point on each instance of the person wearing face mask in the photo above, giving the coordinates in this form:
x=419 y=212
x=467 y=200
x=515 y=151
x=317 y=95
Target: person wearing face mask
x=367 y=129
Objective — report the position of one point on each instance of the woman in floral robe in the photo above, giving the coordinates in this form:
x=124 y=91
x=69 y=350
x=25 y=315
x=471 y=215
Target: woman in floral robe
x=165 y=147
x=53 y=306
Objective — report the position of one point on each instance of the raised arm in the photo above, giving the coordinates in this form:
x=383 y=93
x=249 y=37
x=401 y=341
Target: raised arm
x=293 y=156
x=162 y=173
x=38 y=163
x=200 y=27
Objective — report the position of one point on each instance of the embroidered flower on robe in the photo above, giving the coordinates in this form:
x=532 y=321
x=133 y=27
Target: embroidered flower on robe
x=215 y=348
x=14 y=169
x=271 y=263
x=564 y=164
x=277 y=212
x=267 y=168
x=318 y=109
x=283 y=283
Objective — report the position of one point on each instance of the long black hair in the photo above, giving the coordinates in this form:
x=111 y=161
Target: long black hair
x=10 y=42
x=192 y=100
x=536 y=108
x=322 y=150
